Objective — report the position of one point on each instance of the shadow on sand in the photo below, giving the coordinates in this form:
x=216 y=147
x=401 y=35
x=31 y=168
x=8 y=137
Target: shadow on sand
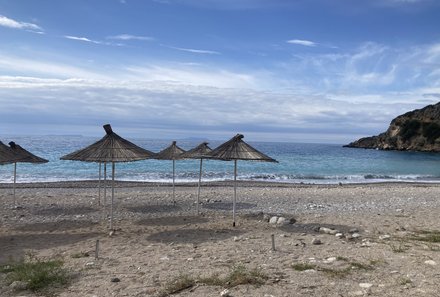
x=60 y=210
x=173 y=221
x=63 y=225
x=195 y=236
x=15 y=246
x=154 y=208
x=228 y=205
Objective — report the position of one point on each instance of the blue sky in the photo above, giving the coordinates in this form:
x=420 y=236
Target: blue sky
x=278 y=70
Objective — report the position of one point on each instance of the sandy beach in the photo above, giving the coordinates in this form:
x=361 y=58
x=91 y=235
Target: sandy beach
x=349 y=240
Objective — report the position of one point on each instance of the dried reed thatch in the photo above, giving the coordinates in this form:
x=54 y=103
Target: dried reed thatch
x=25 y=156
x=202 y=151
x=7 y=156
x=237 y=149
x=111 y=148
x=172 y=152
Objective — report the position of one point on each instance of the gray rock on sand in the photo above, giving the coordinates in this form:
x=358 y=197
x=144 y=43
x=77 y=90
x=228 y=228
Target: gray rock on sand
x=316 y=241
x=115 y=280
x=328 y=231
x=225 y=293
x=283 y=221
x=273 y=220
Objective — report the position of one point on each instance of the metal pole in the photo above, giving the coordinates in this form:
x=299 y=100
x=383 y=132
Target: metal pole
x=174 y=170
x=99 y=185
x=198 y=188
x=105 y=191
x=235 y=192
x=15 y=179
x=113 y=195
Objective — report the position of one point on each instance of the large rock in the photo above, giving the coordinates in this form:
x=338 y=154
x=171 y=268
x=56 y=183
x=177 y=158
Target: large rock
x=417 y=130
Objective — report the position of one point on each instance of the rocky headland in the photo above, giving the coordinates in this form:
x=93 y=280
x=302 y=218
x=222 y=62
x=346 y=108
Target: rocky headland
x=417 y=130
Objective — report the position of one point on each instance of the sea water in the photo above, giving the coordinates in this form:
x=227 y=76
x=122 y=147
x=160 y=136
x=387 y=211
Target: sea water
x=298 y=163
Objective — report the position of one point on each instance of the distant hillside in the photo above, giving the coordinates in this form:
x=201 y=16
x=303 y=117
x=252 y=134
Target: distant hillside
x=417 y=130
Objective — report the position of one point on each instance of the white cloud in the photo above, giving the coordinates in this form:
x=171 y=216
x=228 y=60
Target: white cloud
x=188 y=75
x=302 y=42
x=10 y=23
x=85 y=39
x=25 y=66
x=191 y=108
x=130 y=37
x=195 y=51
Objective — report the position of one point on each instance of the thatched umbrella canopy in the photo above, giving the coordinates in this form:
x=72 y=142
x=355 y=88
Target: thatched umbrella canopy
x=172 y=152
x=24 y=156
x=236 y=149
x=111 y=148
x=7 y=156
x=201 y=152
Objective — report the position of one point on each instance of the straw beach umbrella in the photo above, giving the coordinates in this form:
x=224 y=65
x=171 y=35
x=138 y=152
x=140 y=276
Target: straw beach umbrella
x=110 y=149
x=23 y=156
x=201 y=152
x=173 y=152
x=236 y=149
x=7 y=156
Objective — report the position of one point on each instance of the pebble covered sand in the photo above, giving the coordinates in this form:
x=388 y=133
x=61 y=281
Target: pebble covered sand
x=335 y=240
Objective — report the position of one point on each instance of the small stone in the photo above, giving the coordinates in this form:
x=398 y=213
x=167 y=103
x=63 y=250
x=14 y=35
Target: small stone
x=115 y=280
x=325 y=230
x=282 y=221
x=355 y=235
x=384 y=237
x=89 y=264
x=353 y=230
x=430 y=262
x=236 y=238
x=366 y=244
x=365 y=285
x=225 y=293
x=266 y=217
x=273 y=220
x=316 y=241
x=333 y=232
x=111 y=233
x=292 y=221
x=339 y=235
x=330 y=260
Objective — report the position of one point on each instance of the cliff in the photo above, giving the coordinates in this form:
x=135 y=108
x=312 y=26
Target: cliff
x=417 y=130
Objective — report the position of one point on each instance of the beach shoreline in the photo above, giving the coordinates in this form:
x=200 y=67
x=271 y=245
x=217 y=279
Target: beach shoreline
x=159 y=238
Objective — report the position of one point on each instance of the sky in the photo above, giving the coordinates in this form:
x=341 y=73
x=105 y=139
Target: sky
x=275 y=70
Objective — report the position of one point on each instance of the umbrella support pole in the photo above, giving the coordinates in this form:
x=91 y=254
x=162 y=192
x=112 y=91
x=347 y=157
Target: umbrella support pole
x=15 y=180
x=198 y=188
x=105 y=191
x=174 y=190
x=235 y=193
x=113 y=195
x=99 y=185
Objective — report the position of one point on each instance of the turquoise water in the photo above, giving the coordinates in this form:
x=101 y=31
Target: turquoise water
x=308 y=163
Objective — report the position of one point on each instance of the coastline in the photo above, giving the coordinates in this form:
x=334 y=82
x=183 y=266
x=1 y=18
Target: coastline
x=158 y=238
